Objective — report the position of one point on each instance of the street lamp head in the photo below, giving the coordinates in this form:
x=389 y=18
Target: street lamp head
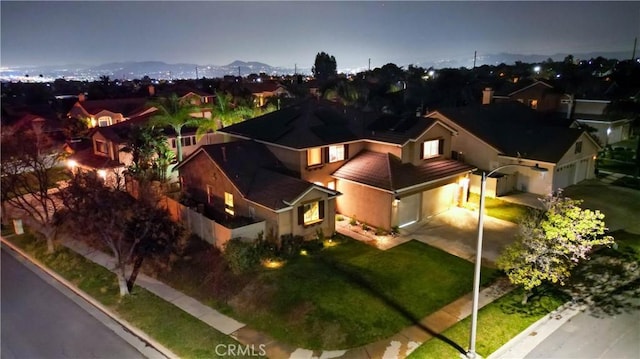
x=537 y=168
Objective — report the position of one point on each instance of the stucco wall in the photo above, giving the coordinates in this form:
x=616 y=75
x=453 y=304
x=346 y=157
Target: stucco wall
x=412 y=153
x=367 y=204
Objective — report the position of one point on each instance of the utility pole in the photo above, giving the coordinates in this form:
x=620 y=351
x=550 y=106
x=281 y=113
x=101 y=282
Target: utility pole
x=635 y=42
x=474 y=58
x=196 y=72
x=369 y=64
x=239 y=72
x=295 y=69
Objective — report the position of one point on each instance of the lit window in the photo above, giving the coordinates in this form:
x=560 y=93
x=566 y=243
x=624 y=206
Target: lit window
x=336 y=153
x=311 y=212
x=101 y=147
x=209 y=194
x=228 y=203
x=104 y=121
x=533 y=104
x=331 y=185
x=431 y=149
x=578 y=147
x=314 y=156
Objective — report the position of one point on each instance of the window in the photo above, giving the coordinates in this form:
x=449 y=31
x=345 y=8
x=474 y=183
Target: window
x=331 y=185
x=173 y=143
x=101 y=147
x=310 y=213
x=209 y=194
x=533 y=104
x=578 y=147
x=314 y=156
x=228 y=203
x=186 y=141
x=104 y=121
x=432 y=148
x=336 y=153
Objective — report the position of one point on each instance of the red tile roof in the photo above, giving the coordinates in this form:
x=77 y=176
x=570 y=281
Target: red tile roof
x=387 y=172
x=126 y=106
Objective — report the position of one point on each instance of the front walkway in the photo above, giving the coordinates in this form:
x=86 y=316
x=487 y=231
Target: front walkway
x=399 y=345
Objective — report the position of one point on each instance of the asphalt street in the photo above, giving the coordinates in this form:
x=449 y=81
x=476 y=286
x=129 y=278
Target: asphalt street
x=585 y=336
x=39 y=321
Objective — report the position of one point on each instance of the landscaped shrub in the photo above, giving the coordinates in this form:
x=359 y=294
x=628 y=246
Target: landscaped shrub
x=291 y=245
x=313 y=245
x=339 y=218
x=365 y=227
x=353 y=221
x=241 y=256
x=395 y=230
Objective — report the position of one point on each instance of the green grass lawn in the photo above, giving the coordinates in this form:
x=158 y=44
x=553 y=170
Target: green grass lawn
x=353 y=294
x=497 y=208
x=183 y=334
x=498 y=322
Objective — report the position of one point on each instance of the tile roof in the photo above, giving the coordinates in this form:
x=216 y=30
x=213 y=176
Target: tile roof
x=515 y=130
x=255 y=172
x=313 y=123
x=125 y=106
x=387 y=172
x=87 y=158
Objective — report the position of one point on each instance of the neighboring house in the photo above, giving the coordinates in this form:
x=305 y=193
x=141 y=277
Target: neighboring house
x=538 y=95
x=490 y=136
x=261 y=91
x=101 y=113
x=191 y=96
x=105 y=154
x=391 y=170
x=242 y=182
x=590 y=114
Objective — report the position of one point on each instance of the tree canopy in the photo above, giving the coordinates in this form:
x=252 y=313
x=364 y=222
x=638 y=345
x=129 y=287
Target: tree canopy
x=552 y=242
x=324 y=67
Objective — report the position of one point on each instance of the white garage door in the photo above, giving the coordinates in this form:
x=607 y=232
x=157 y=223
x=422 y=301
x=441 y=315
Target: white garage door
x=564 y=176
x=438 y=199
x=408 y=210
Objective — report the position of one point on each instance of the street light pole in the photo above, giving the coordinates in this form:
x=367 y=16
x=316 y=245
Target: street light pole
x=471 y=353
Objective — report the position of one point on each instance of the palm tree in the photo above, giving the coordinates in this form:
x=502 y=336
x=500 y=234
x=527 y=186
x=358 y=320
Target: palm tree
x=176 y=114
x=225 y=113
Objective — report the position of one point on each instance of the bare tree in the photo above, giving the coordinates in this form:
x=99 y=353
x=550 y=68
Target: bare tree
x=29 y=187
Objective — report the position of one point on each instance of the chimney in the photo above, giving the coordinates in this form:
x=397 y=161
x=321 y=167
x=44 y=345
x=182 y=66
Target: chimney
x=152 y=91
x=487 y=96
x=81 y=97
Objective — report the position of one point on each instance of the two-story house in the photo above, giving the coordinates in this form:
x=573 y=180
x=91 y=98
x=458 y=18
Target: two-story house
x=101 y=113
x=391 y=170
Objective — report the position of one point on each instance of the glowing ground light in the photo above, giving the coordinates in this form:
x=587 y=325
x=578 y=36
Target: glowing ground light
x=272 y=263
x=329 y=243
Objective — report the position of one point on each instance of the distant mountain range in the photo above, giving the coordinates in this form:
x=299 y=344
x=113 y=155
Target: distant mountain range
x=162 y=70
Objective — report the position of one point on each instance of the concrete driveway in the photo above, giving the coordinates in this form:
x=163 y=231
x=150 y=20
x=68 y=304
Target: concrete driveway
x=456 y=232
x=620 y=205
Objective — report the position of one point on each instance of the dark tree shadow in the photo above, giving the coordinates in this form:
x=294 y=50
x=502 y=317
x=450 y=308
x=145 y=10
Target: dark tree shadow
x=352 y=274
x=608 y=284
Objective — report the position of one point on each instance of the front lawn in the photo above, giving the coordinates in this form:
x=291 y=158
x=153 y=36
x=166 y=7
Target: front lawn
x=497 y=208
x=498 y=322
x=352 y=294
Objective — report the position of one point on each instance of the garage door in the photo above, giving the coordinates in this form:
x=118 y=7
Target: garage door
x=438 y=199
x=564 y=176
x=581 y=172
x=408 y=210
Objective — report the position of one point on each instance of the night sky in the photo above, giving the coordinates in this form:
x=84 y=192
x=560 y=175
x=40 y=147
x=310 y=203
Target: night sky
x=288 y=33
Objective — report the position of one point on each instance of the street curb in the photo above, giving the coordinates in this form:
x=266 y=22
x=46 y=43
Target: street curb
x=523 y=343
x=128 y=326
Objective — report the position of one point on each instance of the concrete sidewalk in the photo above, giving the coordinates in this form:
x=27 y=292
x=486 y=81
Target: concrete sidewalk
x=399 y=345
